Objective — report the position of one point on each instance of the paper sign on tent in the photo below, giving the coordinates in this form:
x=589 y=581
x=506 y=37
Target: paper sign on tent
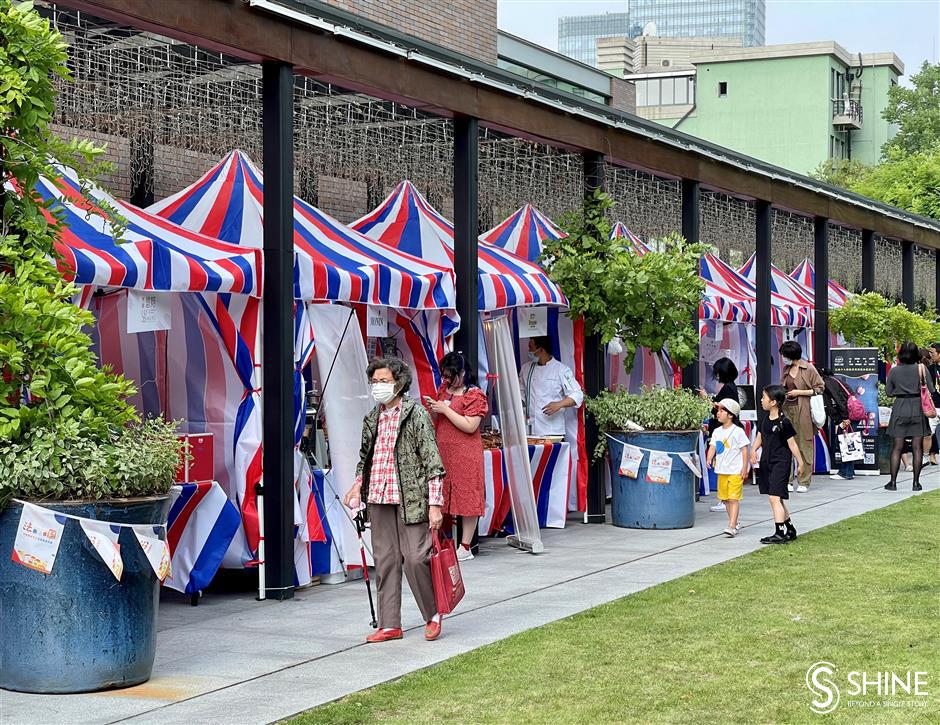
x=148 y=311
x=376 y=321
x=104 y=538
x=533 y=321
x=630 y=461
x=659 y=469
x=156 y=550
x=37 y=538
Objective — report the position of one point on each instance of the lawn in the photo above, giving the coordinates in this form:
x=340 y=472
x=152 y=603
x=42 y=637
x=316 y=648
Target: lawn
x=863 y=594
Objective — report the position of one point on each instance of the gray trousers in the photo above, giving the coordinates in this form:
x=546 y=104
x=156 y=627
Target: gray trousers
x=396 y=546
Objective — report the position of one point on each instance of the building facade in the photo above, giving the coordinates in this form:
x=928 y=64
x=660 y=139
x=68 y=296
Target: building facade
x=621 y=56
x=795 y=106
x=578 y=34
x=742 y=19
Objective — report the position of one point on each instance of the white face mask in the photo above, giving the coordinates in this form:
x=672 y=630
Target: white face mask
x=383 y=392
x=787 y=361
x=533 y=357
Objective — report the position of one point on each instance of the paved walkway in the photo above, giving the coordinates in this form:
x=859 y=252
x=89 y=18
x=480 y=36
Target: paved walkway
x=232 y=659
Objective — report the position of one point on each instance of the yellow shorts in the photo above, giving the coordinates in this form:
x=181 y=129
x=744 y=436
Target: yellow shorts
x=730 y=487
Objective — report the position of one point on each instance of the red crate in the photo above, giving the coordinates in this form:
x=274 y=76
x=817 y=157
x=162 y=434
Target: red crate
x=199 y=465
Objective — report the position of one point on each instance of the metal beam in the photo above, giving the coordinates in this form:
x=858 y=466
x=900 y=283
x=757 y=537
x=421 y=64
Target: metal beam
x=691 y=230
x=763 y=247
x=868 y=260
x=466 y=231
x=594 y=374
x=821 y=292
x=936 y=263
x=907 y=274
x=278 y=339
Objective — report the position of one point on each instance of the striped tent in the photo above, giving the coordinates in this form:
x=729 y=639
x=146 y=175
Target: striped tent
x=728 y=297
x=333 y=262
x=620 y=231
x=406 y=221
x=202 y=369
x=523 y=232
x=795 y=295
x=805 y=274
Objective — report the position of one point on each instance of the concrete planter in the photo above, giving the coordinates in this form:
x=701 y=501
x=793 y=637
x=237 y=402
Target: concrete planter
x=78 y=629
x=637 y=504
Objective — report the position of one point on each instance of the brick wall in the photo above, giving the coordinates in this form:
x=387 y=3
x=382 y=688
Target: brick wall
x=465 y=26
x=622 y=95
x=344 y=199
x=175 y=168
x=117 y=153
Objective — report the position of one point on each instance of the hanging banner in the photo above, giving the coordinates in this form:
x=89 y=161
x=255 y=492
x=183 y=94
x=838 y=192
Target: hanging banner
x=630 y=461
x=857 y=368
x=156 y=550
x=376 y=321
x=691 y=460
x=533 y=321
x=37 y=538
x=148 y=311
x=104 y=537
x=659 y=469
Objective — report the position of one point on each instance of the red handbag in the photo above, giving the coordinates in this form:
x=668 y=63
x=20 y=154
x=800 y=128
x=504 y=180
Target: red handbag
x=854 y=406
x=445 y=574
x=926 y=402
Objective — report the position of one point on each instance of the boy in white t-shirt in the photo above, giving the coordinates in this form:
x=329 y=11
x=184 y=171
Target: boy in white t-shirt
x=727 y=452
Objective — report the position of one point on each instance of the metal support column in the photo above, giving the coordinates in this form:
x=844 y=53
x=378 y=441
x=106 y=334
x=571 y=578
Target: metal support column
x=868 y=260
x=278 y=334
x=821 y=292
x=907 y=274
x=691 y=229
x=764 y=248
x=594 y=363
x=466 y=231
x=936 y=260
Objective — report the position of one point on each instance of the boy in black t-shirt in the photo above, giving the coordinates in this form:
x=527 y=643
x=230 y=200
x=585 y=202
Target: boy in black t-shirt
x=776 y=440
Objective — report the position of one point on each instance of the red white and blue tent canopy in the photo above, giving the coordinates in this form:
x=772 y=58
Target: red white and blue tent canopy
x=788 y=290
x=332 y=263
x=153 y=254
x=620 y=231
x=406 y=221
x=805 y=274
x=523 y=232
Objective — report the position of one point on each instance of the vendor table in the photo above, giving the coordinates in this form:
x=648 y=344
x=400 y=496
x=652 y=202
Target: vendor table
x=200 y=528
x=551 y=476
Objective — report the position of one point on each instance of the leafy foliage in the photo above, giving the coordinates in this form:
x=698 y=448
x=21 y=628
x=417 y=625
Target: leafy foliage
x=647 y=301
x=884 y=400
x=916 y=112
x=869 y=320
x=64 y=423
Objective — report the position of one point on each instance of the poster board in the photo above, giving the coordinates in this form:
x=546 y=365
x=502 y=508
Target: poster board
x=857 y=368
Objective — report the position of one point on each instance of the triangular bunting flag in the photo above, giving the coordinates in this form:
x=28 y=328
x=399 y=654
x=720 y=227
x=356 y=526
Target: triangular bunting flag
x=104 y=538
x=38 y=537
x=155 y=549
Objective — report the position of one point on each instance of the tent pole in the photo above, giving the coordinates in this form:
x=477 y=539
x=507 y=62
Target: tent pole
x=278 y=334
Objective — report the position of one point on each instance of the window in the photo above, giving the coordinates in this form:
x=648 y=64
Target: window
x=722 y=89
x=641 y=98
x=654 y=92
x=668 y=92
x=682 y=91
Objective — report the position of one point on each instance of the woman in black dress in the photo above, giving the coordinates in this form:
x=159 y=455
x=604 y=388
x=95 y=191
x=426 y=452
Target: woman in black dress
x=907 y=416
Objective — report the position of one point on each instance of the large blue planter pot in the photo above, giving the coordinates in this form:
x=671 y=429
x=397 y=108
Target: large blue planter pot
x=638 y=504
x=78 y=629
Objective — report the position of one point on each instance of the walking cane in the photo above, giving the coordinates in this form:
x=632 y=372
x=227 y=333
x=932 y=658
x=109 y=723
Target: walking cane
x=360 y=529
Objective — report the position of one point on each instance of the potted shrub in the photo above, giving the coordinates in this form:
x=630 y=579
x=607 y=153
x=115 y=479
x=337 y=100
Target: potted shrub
x=69 y=441
x=658 y=419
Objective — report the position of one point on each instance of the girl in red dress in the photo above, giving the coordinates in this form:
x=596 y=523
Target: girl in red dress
x=458 y=411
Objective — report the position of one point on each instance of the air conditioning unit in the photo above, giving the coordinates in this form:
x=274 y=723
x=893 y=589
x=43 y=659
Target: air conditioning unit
x=666 y=62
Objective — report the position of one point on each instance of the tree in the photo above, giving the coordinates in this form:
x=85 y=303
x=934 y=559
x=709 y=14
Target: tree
x=869 y=320
x=916 y=112
x=907 y=181
x=646 y=300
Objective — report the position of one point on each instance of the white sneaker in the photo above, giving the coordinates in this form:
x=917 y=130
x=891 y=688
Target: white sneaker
x=720 y=506
x=909 y=468
x=802 y=489
x=790 y=487
x=464 y=554
x=837 y=477
x=732 y=532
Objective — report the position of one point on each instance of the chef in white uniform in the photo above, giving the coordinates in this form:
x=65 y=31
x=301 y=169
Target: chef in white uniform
x=548 y=389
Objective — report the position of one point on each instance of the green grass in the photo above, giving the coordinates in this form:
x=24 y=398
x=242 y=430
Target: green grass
x=862 y=594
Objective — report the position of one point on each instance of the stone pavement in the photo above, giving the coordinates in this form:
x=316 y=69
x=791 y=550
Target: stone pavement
x=232 y=659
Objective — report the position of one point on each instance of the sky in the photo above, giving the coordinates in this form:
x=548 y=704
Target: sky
x=909 y=28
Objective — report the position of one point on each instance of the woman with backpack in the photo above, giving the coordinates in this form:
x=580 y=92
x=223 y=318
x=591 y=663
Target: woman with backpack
x=836 y=397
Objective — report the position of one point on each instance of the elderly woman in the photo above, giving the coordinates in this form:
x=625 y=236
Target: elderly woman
x=907 y=415
x=802 y=381
x=400 y=476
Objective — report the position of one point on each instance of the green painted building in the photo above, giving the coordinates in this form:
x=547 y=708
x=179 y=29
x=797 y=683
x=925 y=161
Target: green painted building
x=790 y=105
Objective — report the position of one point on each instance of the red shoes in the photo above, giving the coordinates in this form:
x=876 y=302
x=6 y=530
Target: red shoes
x=384 y=635
x=432 y=630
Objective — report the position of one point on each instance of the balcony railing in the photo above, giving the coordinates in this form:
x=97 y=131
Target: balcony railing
x=847 y=113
